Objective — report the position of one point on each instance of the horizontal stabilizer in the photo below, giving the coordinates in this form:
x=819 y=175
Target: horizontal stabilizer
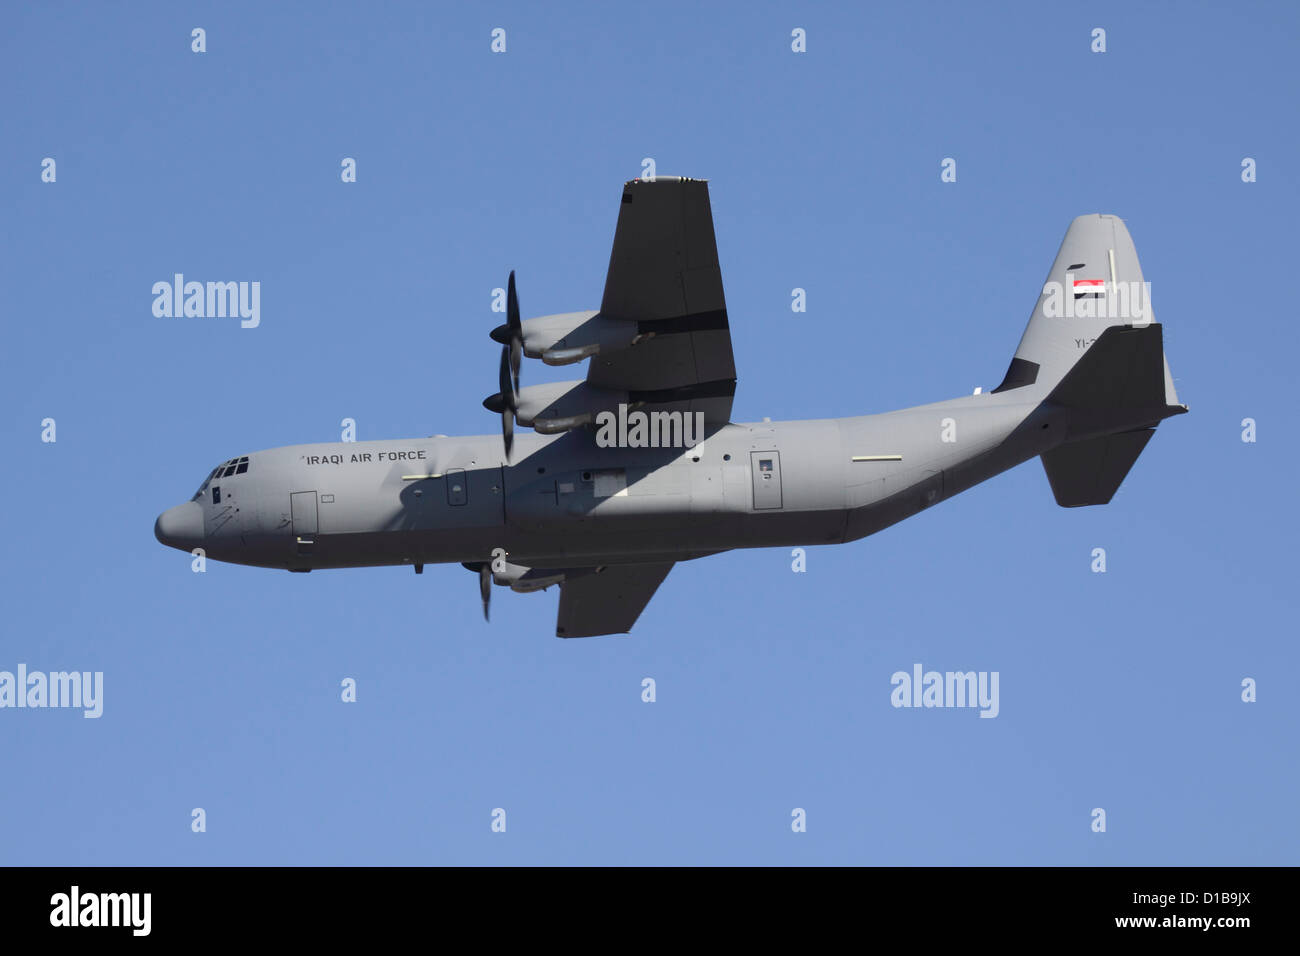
x=1124 y=369
x=1090 y=472
x=608 y=600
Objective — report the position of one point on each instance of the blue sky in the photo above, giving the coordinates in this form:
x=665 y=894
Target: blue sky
x=1118 y=690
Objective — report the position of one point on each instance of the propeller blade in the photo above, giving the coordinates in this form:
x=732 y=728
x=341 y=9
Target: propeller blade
x=503 y=379
x=508 y=404
x=511 y=337
x=485 y=586
x=516 y=329
x=512 y=305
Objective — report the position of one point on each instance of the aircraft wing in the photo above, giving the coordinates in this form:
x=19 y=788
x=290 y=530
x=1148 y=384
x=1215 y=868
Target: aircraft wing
x=609 y=600
x=664 y=275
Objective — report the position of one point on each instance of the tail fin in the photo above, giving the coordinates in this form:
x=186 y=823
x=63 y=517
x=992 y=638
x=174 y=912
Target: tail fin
x=1095 y=283
x=1093 y=348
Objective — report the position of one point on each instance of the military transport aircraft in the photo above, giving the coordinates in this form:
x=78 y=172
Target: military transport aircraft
x=638 y=466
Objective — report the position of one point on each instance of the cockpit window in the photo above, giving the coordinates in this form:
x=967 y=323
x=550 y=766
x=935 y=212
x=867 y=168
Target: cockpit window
x=235 y=466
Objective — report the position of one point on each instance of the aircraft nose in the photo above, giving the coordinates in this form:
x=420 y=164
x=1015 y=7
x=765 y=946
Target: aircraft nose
x=180 y=527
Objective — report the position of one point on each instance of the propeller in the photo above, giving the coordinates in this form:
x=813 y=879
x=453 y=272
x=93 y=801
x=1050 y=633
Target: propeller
x=484 y=571
x=516 y=330
x=485 y=586
x=511 y=337
x=512 y=332
x=508 y=403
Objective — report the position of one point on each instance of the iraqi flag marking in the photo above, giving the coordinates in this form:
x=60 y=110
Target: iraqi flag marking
x=1089 y=285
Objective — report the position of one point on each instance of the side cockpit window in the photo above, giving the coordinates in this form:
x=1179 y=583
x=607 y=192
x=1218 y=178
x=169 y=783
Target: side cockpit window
x=206 y=481
x=227 y=469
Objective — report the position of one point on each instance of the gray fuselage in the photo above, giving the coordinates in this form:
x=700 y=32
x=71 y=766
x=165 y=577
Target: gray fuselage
x=565 y=502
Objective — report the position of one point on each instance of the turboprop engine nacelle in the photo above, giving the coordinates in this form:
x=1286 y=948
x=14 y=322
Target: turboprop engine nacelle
x=523 y=579
x=570 y=337
x=563 y=406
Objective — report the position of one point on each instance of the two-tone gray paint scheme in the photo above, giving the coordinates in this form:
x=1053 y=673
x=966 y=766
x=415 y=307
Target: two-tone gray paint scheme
x=606 y=524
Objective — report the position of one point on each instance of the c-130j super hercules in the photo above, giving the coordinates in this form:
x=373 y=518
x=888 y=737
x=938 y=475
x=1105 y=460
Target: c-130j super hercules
x=606 y=521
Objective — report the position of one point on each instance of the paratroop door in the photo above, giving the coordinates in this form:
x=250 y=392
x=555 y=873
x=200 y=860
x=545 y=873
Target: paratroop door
x=765 y=467
x=302 y=509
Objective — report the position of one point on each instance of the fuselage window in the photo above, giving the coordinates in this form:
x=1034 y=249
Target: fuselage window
x=216 y=494
x=235 y=466
x=206 y=481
